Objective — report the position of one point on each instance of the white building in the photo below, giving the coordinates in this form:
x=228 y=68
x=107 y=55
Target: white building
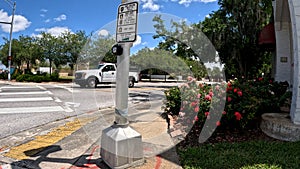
x=287 y=60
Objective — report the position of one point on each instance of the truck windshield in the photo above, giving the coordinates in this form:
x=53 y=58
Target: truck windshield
x=101 y=65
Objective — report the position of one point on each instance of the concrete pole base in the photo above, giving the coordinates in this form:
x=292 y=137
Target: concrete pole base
x=121 y=147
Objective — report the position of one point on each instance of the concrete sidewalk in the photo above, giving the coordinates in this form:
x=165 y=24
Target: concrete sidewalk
x=74 y=143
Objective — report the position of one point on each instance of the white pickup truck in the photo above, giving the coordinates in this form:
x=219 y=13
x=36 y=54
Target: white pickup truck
x=105 y=74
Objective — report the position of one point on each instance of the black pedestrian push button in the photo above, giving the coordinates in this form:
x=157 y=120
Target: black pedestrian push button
x=117 y=49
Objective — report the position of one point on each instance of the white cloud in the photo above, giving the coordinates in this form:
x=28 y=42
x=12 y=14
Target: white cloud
x=149 y=4
x=54 y=31
x=103 y=32
x=207 y=1
x=44 y=10
x=138 y=41
x=20 y=22
x=60 y=18
x=47 y=20
x=188 y=2
x=40 y=30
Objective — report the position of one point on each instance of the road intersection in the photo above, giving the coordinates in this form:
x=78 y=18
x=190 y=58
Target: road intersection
x=78 y=115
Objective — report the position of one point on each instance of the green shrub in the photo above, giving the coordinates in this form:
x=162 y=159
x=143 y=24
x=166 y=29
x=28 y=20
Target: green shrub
x=23 y=78
x=16 y=73
x=36 y=78
x=237 y=103
x=55 y=76
x=3 y=75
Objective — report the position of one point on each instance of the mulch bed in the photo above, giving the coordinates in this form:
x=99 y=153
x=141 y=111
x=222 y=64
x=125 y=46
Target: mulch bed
x=225 y=135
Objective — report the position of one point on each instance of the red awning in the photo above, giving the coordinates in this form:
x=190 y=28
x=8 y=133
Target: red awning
x=267 y=36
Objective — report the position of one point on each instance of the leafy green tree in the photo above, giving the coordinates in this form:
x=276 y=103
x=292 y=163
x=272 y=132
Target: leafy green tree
x=97 y=49
x=160 y=61
x=4 y=50
x=28 y=50
x=234 y=30
x=186 y=42
x=72 y=46
x=49 y=47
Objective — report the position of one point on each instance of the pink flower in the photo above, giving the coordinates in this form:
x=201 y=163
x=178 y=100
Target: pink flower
x=240 y=93
x=211 y=94
x=218 y=123
x=189 y=78
x=229 y=99
x=238 y=116
x=181 y=114
x=235 y=90
x=196 y=110
x=217 y=87
x=206 y=114
x=198 y=96
x=224 y=112
x=208 y=97
x=196 y=118
x=260 y=79
x=193 y=104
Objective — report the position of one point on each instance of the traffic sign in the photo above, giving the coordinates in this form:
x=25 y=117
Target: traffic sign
x=127 y=22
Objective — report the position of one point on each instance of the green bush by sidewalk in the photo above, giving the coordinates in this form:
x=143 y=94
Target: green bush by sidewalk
x=38 y=78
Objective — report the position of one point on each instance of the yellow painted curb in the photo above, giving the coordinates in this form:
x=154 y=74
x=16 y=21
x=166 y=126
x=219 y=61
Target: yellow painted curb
x=24 y=151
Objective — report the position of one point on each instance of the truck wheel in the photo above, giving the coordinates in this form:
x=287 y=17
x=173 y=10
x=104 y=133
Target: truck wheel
x=131 y=82
x=92 y=82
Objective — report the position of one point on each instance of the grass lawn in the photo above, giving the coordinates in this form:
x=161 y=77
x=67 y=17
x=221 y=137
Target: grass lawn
x=244 y=155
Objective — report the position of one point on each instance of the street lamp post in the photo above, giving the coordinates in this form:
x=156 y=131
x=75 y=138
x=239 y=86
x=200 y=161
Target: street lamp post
x=13 y=5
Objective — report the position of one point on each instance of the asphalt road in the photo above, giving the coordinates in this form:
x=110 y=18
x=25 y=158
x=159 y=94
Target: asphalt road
x=28 y=105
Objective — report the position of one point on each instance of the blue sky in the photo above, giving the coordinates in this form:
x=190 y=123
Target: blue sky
x=56 y=16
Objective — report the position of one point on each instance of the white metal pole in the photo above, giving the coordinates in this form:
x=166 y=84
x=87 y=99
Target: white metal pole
x=121 y=110
x=10 y=39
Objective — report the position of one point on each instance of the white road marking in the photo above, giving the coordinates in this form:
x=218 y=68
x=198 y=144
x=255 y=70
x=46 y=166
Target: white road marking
x=21 y=110
x=25 y=93
x=41 y=87
x=29 y=99
x=66 y=88
x=18 y=87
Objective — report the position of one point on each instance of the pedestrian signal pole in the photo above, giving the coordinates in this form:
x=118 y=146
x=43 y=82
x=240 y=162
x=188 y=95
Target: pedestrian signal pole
x=121 y=146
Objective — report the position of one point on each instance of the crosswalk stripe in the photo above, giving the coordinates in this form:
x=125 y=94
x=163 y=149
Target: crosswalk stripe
x=18 y=87
x=20 y=110
x=25 y=93
x=26 y=99
x=31 y=109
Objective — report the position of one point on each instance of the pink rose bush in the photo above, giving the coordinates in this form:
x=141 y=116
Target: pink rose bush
x=233 y=104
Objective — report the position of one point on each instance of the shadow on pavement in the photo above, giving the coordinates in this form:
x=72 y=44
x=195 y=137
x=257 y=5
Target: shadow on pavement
x=41 y=155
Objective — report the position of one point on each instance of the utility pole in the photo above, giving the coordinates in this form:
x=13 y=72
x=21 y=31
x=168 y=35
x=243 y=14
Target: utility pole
x=121 y=146
x=9 y=57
